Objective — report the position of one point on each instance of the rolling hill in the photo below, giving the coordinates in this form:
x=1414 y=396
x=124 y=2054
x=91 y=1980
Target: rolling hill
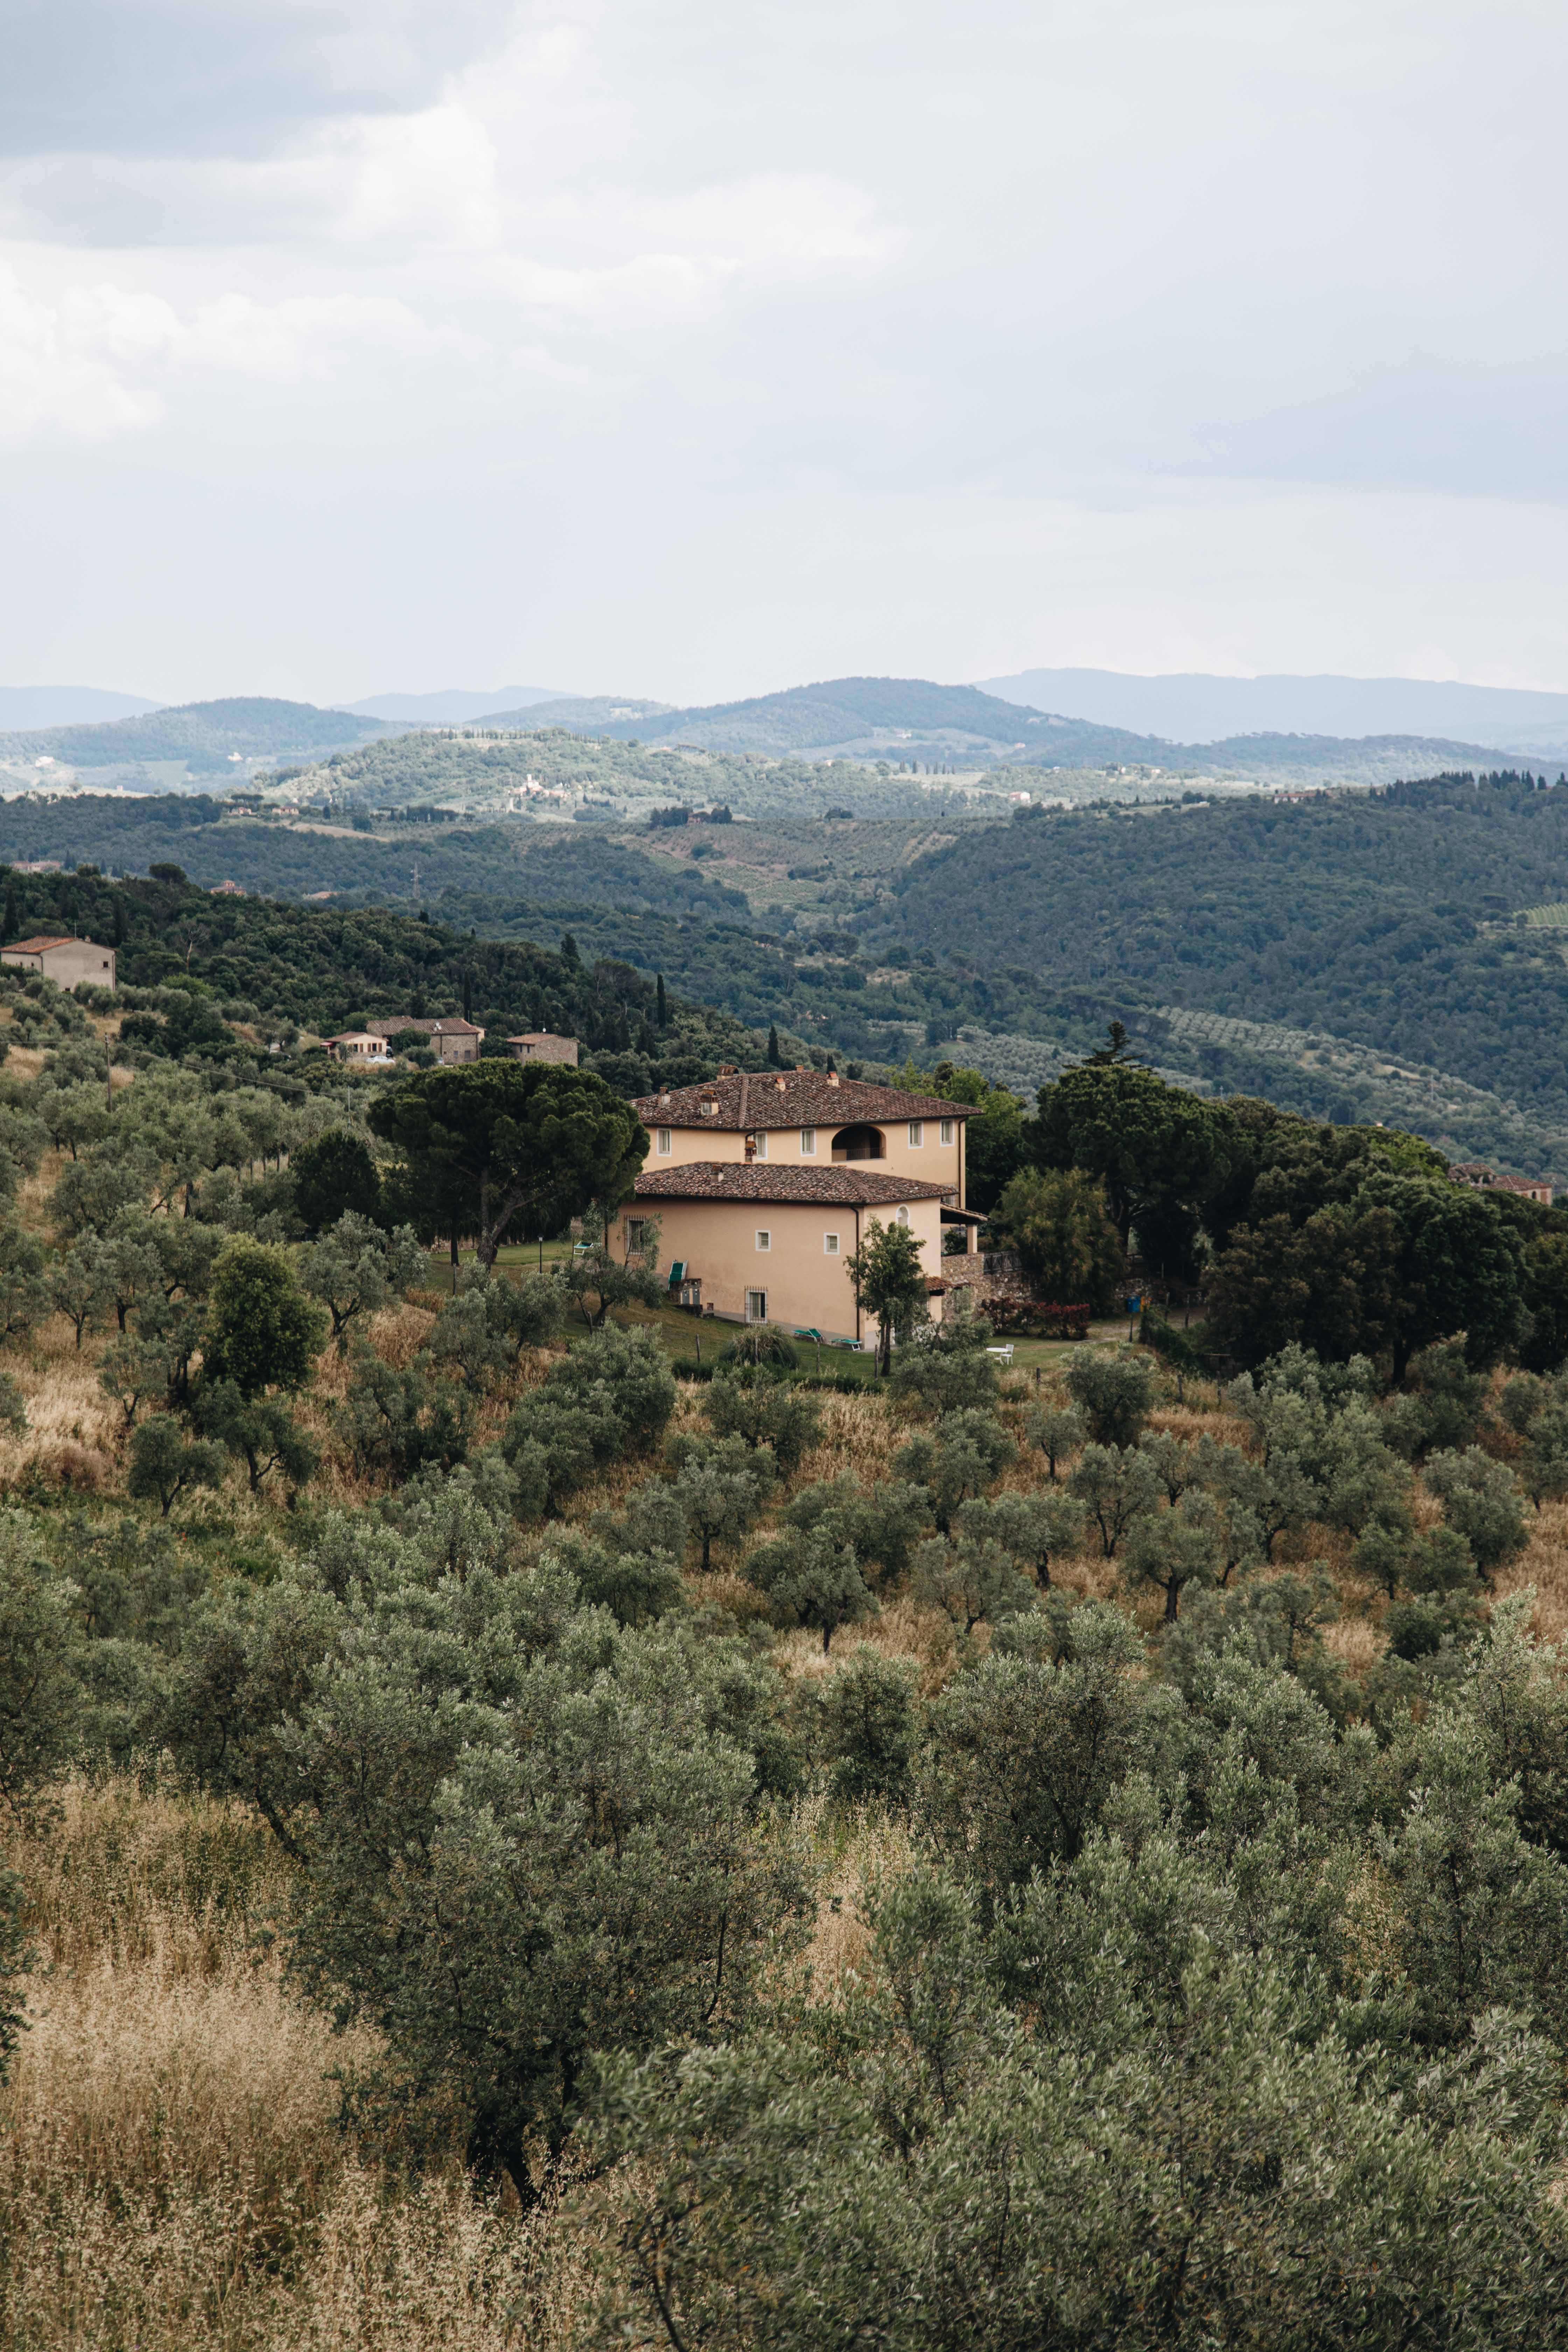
x=202 y=734
x=919 y=721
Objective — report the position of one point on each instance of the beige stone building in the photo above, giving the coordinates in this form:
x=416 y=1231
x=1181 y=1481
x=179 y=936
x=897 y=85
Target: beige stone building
x=543 y=1046
x=759 y=1242
x=764 y=1181
x=66 y=961
x=449 y=1040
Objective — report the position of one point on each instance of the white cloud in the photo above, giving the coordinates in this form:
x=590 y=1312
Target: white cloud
x=58 y=379
x=89 y=362
x=430 y=177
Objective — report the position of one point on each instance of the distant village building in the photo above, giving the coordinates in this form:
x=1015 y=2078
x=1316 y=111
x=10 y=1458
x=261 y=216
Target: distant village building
x=66 y=961
x=1476 y=1172
x=359 y=1045
x=225 y=891
x=449 y=1040
x=36 y=865
x=543 y=1046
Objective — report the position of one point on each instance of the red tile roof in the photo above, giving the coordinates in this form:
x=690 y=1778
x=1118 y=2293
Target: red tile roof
x=44 y=940
x=749 y=1099
x=736 y=1180
x=449 y=1028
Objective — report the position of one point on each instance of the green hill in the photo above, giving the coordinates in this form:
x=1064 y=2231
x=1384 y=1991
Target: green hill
x=914 y=719
x=1386 y=919
x=202 y=733
x=330 y=969
x=551 y=863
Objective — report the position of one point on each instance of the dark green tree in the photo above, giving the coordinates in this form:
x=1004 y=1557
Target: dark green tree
x=1149 y=1144
x=1057 y=1221
x=870 y=1722
x=333 y=1177
x=165 y=1463
x=1113 y=1390
x=890 y=1281
x=262 y=1331
x=528 y=1145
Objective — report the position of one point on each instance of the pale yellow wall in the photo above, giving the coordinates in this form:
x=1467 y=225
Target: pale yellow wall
x=932 y=1162
x=717 y=1240
x=690 y=1143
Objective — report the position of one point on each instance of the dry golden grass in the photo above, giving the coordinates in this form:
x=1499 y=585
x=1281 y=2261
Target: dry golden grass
x=172 y=2172
x=72 y=1432
x=860 y=1851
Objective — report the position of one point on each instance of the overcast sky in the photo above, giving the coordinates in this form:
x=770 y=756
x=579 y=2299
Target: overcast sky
x=693 y=350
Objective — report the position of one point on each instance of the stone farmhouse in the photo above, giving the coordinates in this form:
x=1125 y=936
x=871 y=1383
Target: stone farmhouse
x=763 y=1182
x=450 y=1041
x=66 y=961
x=543 y=1046
x=1476 y=1174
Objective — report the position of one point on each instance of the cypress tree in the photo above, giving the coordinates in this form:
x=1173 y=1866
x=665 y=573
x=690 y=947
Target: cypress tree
x=661 y=1013
x=773 y=1045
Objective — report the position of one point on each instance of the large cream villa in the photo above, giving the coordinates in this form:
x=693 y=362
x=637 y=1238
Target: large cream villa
x=763 y=1182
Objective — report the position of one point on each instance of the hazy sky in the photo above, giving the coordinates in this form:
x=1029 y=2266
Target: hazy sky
x=693 y=350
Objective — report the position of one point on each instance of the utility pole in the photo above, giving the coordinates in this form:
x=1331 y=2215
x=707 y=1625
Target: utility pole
x=108 y=1070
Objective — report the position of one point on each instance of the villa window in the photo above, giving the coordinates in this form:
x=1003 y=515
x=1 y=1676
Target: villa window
x=764 y=1238
x=946 y=1131
x=903 y=1217
x=917 y=1134
x=760 y=1143
x=808 y=1141
x=636 y=1229
x=756 y=1305
x=830 y=1244
x=709 y=1108
x=664 y=1142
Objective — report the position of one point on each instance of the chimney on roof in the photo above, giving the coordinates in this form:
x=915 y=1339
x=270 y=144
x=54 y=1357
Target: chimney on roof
x=801 y=1069
x=726 y=1069
x=780 y=1085
x=833 y=1077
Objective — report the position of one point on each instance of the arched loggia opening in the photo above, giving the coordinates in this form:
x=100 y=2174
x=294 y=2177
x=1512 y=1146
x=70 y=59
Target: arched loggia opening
x=860 y=1142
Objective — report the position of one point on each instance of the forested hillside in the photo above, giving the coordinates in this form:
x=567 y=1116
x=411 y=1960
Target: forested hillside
x=546 y=863
x=1357 y=956
x=282 y=968
x=1388 y=918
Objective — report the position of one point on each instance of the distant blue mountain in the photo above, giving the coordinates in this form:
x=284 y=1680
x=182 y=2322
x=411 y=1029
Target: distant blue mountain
x=23 y=706
x=1195 y=707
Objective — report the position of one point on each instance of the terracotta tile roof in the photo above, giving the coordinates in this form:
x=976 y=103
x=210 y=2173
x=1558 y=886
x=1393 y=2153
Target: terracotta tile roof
x=45 y=940
x=736 y=1180
x=749 y=1099
x=452 y=1028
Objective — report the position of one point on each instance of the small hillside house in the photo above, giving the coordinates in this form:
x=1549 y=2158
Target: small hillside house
x=450 y=1041
x=543 y=1046
x=66 y=961
x=763 y=1182
x=361 y=1047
